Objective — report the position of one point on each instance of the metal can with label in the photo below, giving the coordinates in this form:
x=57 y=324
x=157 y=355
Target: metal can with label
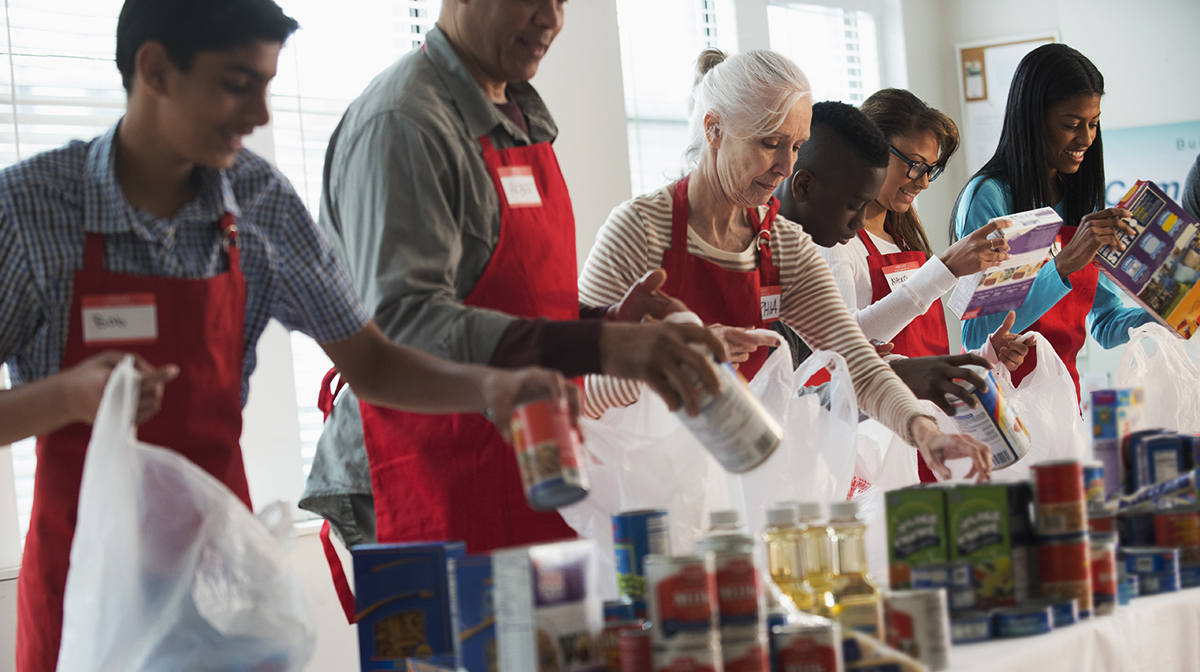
x=1159 y=582
x=610 y=641
x=734 y=581
x=1064 y=569
x=1104 y=572
x=1059 y=498
x=1135 y=526
x=679 y=599
x=733 y=426
x=812 y=648
x=1064 y=610
x=1177 y=526
x=970 y=626
x=918 y=624
x=1102 y=521
x=677 y=658
x=637 y=534
x=637 y=655
x=743 y=655
x=548 y=454
x=1150 y=559
x=1022 y=621
x=993 y=421
x=1189 y=575
x=1093 y=484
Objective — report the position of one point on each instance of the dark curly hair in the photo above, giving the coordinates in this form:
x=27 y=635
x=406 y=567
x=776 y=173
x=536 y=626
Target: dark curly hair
x=858 y=133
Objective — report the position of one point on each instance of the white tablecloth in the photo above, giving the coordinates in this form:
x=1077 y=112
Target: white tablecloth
x=1155 y=634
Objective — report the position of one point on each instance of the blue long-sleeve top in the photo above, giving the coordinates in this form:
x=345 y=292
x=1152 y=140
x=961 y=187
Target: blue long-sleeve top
x=1109 y=320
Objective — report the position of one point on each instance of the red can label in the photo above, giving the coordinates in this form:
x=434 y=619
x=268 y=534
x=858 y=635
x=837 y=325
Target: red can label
x=1104 y=569
x=1058 y=482
x=698 y=659
x=744 y=656
x=682 y=601
x=1103 y=523
x=547 y=448
x=636 y=653
x=811 y=650
x=735 y=583
x=1064 y=562
x=1180 y=529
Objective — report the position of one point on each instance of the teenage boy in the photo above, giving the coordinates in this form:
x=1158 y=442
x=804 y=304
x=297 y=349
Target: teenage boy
x=165 y=239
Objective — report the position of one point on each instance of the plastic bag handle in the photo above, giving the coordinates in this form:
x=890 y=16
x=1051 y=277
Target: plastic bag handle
x=340 y=583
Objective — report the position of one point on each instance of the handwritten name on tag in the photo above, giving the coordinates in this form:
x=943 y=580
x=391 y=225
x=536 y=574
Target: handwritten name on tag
x=897 y=274
x=520 y=189
x=119 y=318
x=770 y=298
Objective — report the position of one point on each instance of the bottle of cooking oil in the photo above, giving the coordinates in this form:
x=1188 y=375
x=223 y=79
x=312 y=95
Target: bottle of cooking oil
x=725 y=533
x=858 y=603
x=782 y=538
x=818 y=559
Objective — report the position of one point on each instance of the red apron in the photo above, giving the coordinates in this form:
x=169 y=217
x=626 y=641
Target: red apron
x=1065 y=325
x=200 y=328
x=926 y=335
x=452 y=476
x=719 y=295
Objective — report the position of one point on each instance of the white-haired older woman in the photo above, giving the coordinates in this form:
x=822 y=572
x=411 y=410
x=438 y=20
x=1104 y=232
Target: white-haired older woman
x=733 y=261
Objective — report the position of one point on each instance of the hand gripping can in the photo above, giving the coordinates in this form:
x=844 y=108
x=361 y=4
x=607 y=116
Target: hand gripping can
x=993 y=421
x=548 y=453
x=680 y=600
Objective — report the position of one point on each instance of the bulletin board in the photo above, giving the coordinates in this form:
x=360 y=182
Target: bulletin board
x=985 y=72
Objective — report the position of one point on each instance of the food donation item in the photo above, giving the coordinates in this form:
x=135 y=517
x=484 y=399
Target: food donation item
x=1030 y=236
x=1104 y=572
x=1059 y=499
x=918 y=624
x=989 y=527
x=637 y=534
x=1115 y=415
x=993 y=421
x=916 y=523
x=549 y=453
x=1064 y=569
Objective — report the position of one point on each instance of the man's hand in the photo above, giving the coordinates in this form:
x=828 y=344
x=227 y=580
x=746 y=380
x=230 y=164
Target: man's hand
x=1096 y=230
x=740 y=343
x=504 y=389
x=85 y=382
x=932 y=378
x=937 y=447
x=1010 y=348
x=645 y=299
x=659 y=354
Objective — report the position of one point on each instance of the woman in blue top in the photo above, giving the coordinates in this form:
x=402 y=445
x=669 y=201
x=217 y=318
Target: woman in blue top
x=1050 y=154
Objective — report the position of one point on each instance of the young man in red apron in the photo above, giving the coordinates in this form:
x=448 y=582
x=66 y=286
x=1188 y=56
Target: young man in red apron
x=162 y=238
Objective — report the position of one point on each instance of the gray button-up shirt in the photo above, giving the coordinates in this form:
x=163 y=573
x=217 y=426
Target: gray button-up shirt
x=409 y=204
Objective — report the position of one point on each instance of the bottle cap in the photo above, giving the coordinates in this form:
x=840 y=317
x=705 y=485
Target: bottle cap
x=781 y=516
x=728 y=517
x=808 y=510
x=843 y=510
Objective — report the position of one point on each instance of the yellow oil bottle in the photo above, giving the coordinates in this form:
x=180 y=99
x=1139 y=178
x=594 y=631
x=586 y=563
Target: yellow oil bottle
x=857 y=600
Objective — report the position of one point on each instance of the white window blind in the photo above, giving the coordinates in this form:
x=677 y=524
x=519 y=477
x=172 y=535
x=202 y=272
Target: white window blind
x=836 y=48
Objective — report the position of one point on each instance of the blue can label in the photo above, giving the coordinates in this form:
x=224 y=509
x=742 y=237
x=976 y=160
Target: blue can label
x=637 y=534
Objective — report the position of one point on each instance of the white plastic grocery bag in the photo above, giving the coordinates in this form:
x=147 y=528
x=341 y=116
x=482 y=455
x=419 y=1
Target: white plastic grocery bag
x=1167 y=368
x=169 y=570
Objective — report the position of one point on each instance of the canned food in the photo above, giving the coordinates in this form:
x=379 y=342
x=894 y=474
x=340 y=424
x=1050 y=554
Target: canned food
x=993 y=421
x=1022 y=621
x=637 y=534
x=962 y=599
x=1135 y=527
x=743 y=655
x=1065 y=611
x=610 y=642
x=812 y=648
x=1064 y=569
x=1093 y=483
x=619 y=611
x=677 y=589
x=733 y=426
x=1128 y=588
x=1150 y=560
x=548 y=449
x=1059 y=498
x=677 y=658
x=1159 y=582
x=1104 y=572
x=1189 y=576
x=970 y=626
x=734 y=582
x=1177 y=526
x=636 y=652
x=918 y=624
x=1102 y=521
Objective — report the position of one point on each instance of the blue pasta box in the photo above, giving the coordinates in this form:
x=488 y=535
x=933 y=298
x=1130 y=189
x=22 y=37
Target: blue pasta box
x=473 y=605
x=402 y=604
x=1156 y=458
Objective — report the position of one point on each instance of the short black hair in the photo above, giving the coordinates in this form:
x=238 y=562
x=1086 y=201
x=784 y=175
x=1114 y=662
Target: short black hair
x=858 y=133
x=186 y=27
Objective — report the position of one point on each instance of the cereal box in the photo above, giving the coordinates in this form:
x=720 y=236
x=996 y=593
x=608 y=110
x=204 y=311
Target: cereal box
x=472 y=602
x=1115 y=415
x=916 y=525
x=402 y=602
x=990 y=527
x=549 y=614
x=1003 y=288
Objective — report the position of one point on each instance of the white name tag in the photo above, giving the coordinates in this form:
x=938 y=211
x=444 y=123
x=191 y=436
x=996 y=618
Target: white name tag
x=896 y=274
x=769 y=298
x=520 y=189
x=119 y=318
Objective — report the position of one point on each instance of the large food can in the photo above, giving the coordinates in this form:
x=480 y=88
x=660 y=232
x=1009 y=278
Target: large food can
x=734 y=582
x=1064 y=569
x=1059 y=498
x=1104 y=572
x=743 y=655
x=1093 y=484
x=637 y=655
x=1102 y=521
x=993 y=421
x=733 y=425
x=610 y=641
x=812 y=648
x=637 y=534
x=1177 y=526
x=1150 y=559
x=548 y=454
x=918 y=624
x=678 y=658
x=678 y=592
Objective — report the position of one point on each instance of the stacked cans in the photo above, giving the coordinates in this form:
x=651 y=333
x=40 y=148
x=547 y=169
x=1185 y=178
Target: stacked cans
x=1105 y=577
x=919 y=625
x=808 y=647
x=637 y=534
x=1156 y=568
x=1064 y=551
x=953 y=577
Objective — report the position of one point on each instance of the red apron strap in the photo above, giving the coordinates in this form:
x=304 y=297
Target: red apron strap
x=679 y=213
x=866 y=239
x=340 y=583
x=327 y=396
x=767 y=271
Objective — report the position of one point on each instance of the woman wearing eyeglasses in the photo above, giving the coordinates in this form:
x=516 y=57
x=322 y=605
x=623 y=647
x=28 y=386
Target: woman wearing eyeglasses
x=888 y=274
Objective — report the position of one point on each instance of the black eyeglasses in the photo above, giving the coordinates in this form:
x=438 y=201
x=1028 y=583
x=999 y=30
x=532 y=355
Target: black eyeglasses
x=917 y=168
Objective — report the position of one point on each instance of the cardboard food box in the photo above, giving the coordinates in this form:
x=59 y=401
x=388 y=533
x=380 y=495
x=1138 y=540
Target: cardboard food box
x=1115 y=415
x=473 y=609
x=402 y=602
x=1129 y=458
x=916 y=526
x=1003 y=288
x=1156 y=458
x=549 y=614
x=1160 y=266
x=990 y=527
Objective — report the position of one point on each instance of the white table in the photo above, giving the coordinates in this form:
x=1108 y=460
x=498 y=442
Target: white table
x=1155 y=634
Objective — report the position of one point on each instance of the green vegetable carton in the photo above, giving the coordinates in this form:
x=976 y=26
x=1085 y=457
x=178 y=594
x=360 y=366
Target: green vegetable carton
x=916 y=524
x=990 y=527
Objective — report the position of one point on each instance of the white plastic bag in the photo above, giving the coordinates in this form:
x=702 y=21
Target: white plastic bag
x=169 y=570
x=1168 y=369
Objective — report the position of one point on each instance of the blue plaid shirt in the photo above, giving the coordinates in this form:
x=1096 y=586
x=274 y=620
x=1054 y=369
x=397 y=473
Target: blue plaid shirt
x=48 y=202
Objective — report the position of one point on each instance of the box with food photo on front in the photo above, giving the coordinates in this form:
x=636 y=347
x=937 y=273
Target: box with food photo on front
x=1160 y=265
x=402 y=603
x=991 y=527
x=1002 y=288
x=549 y=613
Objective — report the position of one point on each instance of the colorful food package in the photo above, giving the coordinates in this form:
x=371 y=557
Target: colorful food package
x=1002 y=288
x=916 y=525
x=989 y=526
x=473 y=609
x=1115 y=415
x=549 y=614
x=402 y=599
